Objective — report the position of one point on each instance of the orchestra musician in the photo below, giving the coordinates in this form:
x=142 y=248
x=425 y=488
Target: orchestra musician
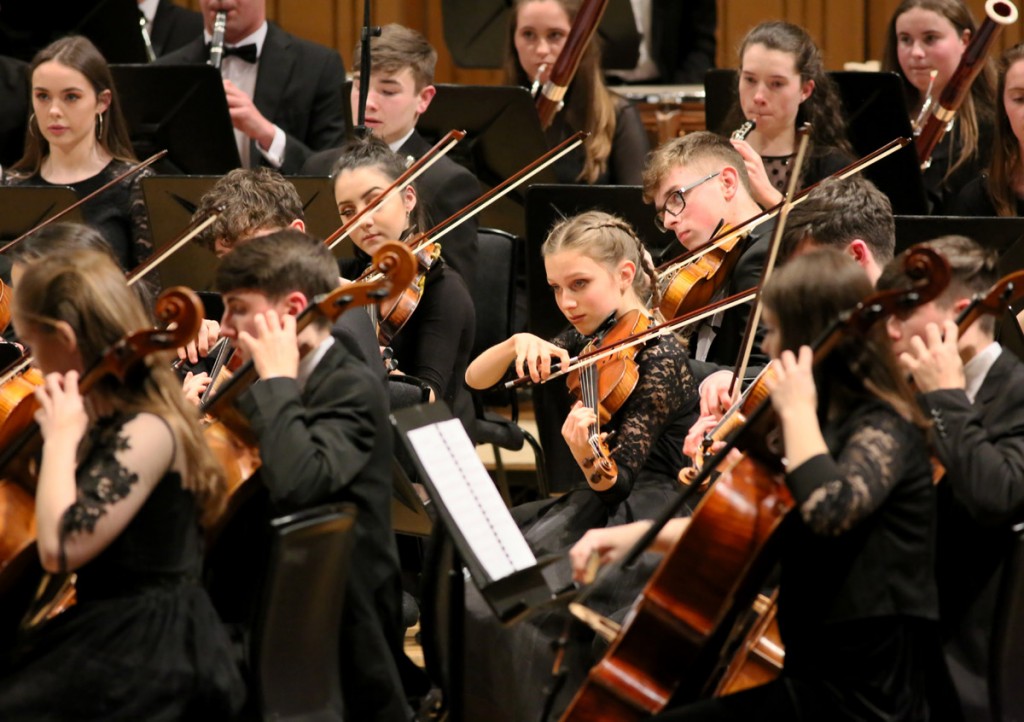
x=77 y=137
x=973 y=391
x=614 y=152
x=596 y=268
x=1000 y=191
x=124 y=482
x=284 y=93
x=320 y=417
x=435 y=342
x=401 y=89
x=857 y=599
x=695 y=183
x=931 y=35
x=252 y=203
x=782 y=85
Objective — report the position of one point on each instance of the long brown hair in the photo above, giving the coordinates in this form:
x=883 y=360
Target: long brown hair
x=806 y=296
x=78 y=53
x=979 y=105
x=85 y=289
x=589 y=105
x=1006 y=160
x=827 y=128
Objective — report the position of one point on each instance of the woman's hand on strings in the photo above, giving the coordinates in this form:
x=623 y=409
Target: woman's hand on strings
x=61 y=415
x=793 y=388
x=193 y=386
x=534 y=354
x=693 y=445
x=200 y=346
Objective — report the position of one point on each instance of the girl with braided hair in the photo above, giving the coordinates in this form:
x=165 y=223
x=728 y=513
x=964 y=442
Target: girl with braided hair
x=597 y=270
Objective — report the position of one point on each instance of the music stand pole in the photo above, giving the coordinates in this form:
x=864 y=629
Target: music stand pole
x=369 y=31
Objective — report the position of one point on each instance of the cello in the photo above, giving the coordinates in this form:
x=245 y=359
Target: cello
x=679 y=624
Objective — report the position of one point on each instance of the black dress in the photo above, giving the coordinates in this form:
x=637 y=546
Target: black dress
x=119 y=213
x=508 y=668
x=629 y=149
x=974 y=199
x=857 y=594
x=143 y=641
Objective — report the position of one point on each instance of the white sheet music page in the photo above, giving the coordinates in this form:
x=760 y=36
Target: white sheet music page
x=471 y=498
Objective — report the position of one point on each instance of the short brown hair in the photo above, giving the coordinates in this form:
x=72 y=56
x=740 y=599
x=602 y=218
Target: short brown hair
x=248 y=201
x=839 y=211
x=279 y=263
x=700 y=147
x=397 y=48
x=974 y=269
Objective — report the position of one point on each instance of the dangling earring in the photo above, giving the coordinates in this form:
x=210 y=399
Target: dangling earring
x=99 y=126
x=31 y=124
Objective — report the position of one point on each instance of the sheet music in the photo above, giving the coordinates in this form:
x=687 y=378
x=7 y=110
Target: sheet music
x=469 y=494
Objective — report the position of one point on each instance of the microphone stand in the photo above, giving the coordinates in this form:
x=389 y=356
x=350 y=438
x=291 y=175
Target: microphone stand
x=369 y=31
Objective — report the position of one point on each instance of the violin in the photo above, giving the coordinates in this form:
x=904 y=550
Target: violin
x=605 y=385
x=396 y=312
x=679 y=624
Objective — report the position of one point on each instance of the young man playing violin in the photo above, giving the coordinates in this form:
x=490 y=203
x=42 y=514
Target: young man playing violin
x=973 y=390
x=320 y=419
x=698 y=183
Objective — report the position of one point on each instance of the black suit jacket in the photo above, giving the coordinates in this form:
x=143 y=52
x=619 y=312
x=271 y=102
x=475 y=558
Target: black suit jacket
x=981 y=446
x=174 y=27
x=683 y=39
x=727 y=342
x=444 y=188
x=331 y=442
x=298 y=88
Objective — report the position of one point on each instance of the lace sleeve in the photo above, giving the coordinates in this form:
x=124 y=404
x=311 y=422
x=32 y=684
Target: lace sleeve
x=123 y=465
x=835 y=493
x=666 y=386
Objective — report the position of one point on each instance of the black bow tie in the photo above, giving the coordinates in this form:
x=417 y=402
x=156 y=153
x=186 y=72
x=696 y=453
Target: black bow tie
x=245 y=52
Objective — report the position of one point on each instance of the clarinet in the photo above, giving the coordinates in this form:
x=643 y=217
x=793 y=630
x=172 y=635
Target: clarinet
x=217 y=43
x=744 y=130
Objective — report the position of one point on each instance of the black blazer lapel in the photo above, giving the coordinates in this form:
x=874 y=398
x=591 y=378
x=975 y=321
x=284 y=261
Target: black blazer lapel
x=276 y=64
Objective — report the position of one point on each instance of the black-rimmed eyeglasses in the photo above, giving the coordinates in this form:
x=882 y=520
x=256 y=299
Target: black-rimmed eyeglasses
x=676 y=201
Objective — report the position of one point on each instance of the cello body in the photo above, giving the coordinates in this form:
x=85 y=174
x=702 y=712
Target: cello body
x=673 y=635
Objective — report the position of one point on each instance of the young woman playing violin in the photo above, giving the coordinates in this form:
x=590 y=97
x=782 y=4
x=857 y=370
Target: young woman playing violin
x=857 y=597
x=124 y=481
x=596 y=268
x=929 y=37
x=435 y=343
x=782 y=85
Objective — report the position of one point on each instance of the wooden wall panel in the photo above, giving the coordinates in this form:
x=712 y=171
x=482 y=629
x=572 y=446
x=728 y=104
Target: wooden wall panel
x=846 y=30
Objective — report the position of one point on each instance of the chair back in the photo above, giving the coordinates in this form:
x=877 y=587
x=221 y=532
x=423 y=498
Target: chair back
x=295 y=637
x=493 y=290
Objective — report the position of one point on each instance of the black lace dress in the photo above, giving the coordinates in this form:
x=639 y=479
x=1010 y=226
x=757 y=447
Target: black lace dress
x=507 y=669
x=143 y=641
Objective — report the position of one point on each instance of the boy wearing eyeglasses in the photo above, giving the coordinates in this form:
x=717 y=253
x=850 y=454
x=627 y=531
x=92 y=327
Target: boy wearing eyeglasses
x=697 y=183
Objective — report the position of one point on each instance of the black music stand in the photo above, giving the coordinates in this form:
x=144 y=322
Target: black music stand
x=484 y=537
x=180 y=108
x=1004 y=235
x=475 y=31
x=502 y=135
x=22 y=208
x=873 y=104
x=112 y=25
x=171 y=201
